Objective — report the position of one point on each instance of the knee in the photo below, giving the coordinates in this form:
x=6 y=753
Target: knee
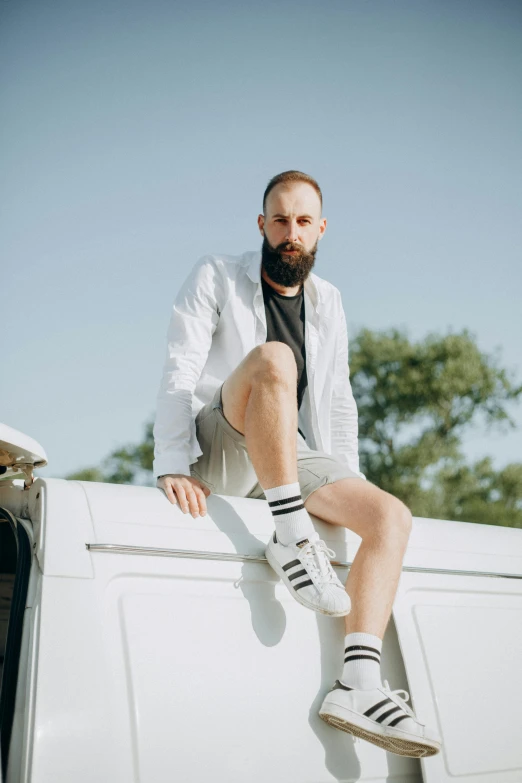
x=394 y=521
x=403 y=519
x=275 y=362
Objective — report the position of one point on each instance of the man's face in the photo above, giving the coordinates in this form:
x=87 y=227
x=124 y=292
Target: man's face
x=291 y=228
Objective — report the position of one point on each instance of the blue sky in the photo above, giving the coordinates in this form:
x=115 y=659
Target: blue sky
x=136 y=137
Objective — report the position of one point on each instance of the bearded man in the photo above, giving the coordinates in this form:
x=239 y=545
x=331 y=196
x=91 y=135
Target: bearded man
x=256 y=402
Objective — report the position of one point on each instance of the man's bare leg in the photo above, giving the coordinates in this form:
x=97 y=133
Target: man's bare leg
x=259 y=400
x=356 y=705
x=384 y=523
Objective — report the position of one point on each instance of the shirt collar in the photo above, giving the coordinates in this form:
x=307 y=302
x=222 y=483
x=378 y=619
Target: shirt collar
x=254 y=266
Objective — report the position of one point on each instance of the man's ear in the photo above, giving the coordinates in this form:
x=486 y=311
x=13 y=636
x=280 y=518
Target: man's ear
x=322 y=227
x=261 y=223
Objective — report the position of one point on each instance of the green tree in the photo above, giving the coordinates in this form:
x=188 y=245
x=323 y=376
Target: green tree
x=416 y=401
x=479 y=494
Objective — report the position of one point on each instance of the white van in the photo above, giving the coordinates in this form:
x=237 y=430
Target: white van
x=141 y=645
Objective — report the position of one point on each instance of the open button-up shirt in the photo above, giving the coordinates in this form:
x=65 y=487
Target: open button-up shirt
x=217 y=319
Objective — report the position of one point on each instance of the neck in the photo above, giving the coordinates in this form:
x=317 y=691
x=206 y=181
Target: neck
x=281 y=289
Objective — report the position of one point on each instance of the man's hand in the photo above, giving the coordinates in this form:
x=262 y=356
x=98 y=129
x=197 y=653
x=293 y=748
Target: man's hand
x=186 y=491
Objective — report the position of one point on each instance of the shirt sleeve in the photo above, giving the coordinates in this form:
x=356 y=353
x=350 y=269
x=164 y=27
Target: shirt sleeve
x=195 y=316
x=344 y=417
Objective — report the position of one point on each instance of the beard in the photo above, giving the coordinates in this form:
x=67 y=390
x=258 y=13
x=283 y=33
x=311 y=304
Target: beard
x=284 y=269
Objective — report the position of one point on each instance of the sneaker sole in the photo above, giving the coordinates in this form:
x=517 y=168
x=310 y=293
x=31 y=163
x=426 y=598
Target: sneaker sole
x=279 y=571
x=346 y=720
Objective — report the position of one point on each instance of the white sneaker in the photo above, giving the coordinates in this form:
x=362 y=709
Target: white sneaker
x=380 y=716
x=306 y=570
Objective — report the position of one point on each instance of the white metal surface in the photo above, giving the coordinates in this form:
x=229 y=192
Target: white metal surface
x=162 y=668
x=461 y=641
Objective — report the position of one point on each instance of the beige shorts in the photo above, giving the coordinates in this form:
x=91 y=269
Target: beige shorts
x=225 y=467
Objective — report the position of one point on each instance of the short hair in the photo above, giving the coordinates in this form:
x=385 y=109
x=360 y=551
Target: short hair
x=289 y=177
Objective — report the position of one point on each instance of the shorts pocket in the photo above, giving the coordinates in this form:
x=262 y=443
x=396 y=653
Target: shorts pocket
x=228 y=429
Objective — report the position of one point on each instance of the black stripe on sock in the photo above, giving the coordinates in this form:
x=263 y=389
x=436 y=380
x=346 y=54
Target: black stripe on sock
x=385 y=714
x=287 y=510
x=303 y=572
x=398 y=720
x=303 y=584
x=291 y=564
x=362 y=647
x=284 y=500
x=359 y=657
x=377 y=706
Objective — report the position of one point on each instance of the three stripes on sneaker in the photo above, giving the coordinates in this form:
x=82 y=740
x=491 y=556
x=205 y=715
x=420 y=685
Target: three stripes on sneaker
x=294 y=570
x=383 y=710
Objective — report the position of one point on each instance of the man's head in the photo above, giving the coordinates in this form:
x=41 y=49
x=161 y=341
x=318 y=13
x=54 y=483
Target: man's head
x=291 y=227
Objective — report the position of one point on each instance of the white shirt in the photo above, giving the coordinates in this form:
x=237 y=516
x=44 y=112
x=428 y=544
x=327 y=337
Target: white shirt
x=217 y=319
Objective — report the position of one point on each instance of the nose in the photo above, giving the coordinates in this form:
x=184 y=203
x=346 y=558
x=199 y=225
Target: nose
x=292 y=231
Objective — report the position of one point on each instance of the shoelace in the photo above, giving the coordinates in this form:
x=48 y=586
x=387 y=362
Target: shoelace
x=317 y=557
x=402 y=700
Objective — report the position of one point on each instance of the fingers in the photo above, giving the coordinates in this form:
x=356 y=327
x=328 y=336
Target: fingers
x=165 y=484
x=187 y=492
x=200 y=496
x=179 y=489
x=170 y=493
x=193 y=505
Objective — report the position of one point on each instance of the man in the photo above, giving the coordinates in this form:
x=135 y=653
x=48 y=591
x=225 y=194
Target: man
x=256 y=402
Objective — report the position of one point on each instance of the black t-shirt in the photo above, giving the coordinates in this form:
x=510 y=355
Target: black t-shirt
x=285 y=322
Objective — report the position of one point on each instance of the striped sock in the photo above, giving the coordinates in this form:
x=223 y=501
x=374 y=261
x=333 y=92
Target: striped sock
x=362 y=661
x=292 y=521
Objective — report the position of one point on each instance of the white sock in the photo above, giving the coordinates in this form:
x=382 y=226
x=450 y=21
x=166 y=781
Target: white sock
x=362 y=661
x=292 y=521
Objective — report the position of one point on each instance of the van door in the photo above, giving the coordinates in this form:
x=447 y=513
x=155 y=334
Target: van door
x=16 y=562
x=458 y=614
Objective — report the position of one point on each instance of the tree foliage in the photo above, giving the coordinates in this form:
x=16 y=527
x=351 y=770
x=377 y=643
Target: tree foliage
x=416 y=401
